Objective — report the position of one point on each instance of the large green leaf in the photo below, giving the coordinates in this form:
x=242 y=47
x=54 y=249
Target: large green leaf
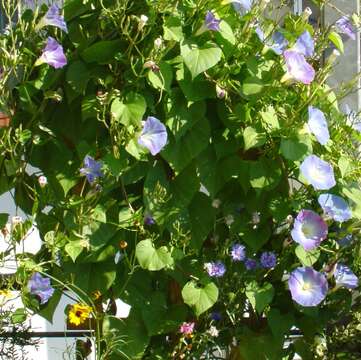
x=3 y=220
x=200 y=59
x=200 y=298
x=253 y=138
x=129 y=110
x=307 y=258
x=151 y=258
x=259 y=296
x=77 y=76
x=252 y=86
x=102 y=52
x=296 y=148
x=264 y=174
x=173 y=29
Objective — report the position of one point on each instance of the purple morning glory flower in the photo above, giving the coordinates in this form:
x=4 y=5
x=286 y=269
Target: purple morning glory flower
x=215 y=269
x=54 y=18
x=53 y=54
x=40 y=286
x=344 y=26
x=345 y=277
x=268 y=259
x=153 y=136
x=250 y=264
x=148 y=220
x=238 y=252
x=91 y=169
x=305 y=45
x=242 y=6
x=216 y=316
x=335 y=206
x=210 y=22
x=277 y=43
x=308 y=287
x=318 y=173
x=317 y=124
x=309 y=229
x=298 y=68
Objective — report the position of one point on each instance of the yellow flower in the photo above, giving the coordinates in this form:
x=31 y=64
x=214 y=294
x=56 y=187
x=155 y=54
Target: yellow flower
x=79 y=313
x=96 y=294
x=6 y=293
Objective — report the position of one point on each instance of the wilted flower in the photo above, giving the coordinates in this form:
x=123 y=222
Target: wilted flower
x=344 y=26
x=187 y=328
x=213 y=331
x=78 y=313
x=215 y=269
x=148 y=220
x=40 y=286
x=210 y=22
x=308 y=287
x=298 y=68
x=318 y=173
x=42 y=180
x=335 y=206
x=318 y=125
x=250 y=264
x=53 y=54
x=309 y=229
x=153 y=136
x=345 y=277
x=238 y=252
x=91 y=169
x=268 y=259
x=53 y=17
x=305 y=45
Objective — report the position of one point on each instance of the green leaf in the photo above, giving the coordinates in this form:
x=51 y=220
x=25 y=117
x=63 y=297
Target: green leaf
x=252 y=86
x=253 y=138
x=18 y=316
x=200 y=298
x=102 y=52
x=259 y=296
x=256 y=238
x=307 y=258
x=270 y=118
x=3 y=220
x=152 y=259
x=74 y=248
x=264 y=174
x=200 y=59
x=345 y=166
x=336 y=39
x=130 y=110
x=296 y=149
x=77 y=76
x=279 y=323
x=66 y=182
x=173 y=29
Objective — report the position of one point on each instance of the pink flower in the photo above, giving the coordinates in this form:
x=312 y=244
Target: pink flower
x=187 y=328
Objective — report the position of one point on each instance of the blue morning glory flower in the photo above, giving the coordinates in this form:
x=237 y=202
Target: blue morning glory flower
x=54 y=18
x=153 y=136
x=238 y=252
x=40 y=286
x=298 y=68
x=308 y=287
x=335 y=206
x=53 y=54
x=210 y=22
x=215 y=269
x=305 y=45
x=317 y=124
x=344 y=277
x=91 y=169
x=268 y=259
x=277 y=43
x=318 y=173
x=309 y=229
x=242 y=6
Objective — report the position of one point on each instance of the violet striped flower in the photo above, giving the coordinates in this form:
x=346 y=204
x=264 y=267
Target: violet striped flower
x=53 y=54
x=298 y=68
x=344 y=277
x=210 y=22
x=153 y=136
x=305 y=45
x=53 y=17
x=335 y=206
x=308 y=287
x=318 y=173
x=309 y=229
x=317 y=124
x=40 y=286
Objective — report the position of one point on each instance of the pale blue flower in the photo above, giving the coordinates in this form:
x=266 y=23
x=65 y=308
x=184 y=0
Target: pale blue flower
x=317 y=124
x=335 y=206
x=298 y=68
x=91 y=169
x=318 y=173
x=210 y=22
x=344 y=277
x=305 y=45
x=53 y=17
x=345 y=26
x=153 y=136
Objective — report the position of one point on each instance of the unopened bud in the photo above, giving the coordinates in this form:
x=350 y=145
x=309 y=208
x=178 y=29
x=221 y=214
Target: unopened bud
x=229 y=220
x=289 y=219
x=221 y=93
x=16 y=220
x=42 y=180
x=158 y=42
x=151 y=65
x=216 y=203
x=142 y=22
x=306 y=13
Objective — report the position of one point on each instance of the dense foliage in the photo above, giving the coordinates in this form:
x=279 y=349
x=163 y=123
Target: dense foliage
x=191 y=160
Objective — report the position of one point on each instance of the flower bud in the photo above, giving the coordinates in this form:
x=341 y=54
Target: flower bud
x=229 y=220
x=142 y=22
x=306 y=13
x=216 y=203
x=15 y=220
x=221 y=93
x=42 y=180
x=158 y=42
